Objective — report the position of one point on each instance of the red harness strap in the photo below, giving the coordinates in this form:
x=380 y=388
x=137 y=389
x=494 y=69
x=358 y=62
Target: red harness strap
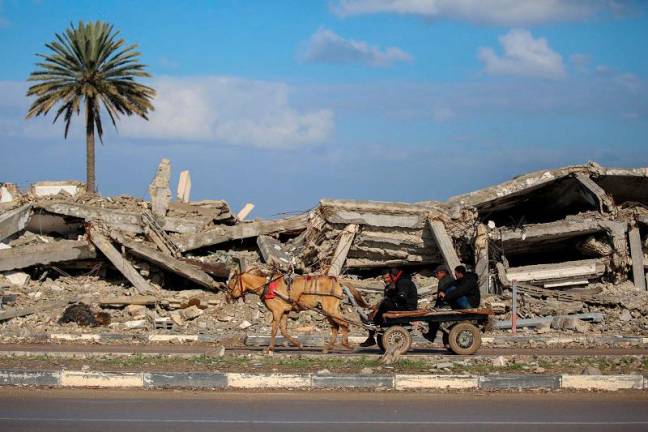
x=272 y=286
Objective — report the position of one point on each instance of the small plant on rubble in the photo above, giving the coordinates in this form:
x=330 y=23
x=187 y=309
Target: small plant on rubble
x=89 y=67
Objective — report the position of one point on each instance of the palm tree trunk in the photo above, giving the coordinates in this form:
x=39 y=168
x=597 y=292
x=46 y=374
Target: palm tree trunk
x=90 y=147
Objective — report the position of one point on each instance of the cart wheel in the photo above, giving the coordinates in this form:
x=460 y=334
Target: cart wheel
x=397 y=339
x=464 y=338
x=379 y=339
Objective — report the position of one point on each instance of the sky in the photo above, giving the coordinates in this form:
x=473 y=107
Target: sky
x=282 y=103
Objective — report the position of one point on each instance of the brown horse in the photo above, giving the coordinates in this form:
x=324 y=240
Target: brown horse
x=322 y=293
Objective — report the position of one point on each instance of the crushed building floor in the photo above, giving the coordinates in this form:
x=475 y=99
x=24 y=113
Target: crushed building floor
x=573 y=240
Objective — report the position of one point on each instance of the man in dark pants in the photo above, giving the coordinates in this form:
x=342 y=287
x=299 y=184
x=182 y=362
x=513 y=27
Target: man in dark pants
x=445 y=282
x=464 y=293
x=400 y=294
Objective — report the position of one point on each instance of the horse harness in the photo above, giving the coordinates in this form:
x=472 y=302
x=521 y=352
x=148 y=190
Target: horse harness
x=289 y=279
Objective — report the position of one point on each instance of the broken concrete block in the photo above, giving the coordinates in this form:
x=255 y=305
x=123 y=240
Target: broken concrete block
x=625 y=315
x=273 y=252
x=177 y=318
x=582 y=327
x=14 y=221
x=49 y=188
x=135 y=324
x=136 y=311
x=17 y=278
x=499 y=361
x=191 y=312
x=244 y=325
x=8 y=192
x=184 y=187
x=245 y=211
x=342 y=249
x=159 y=190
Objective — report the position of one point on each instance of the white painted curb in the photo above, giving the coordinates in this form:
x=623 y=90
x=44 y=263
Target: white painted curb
x=602 y=382
x=101 y=379
x=413 y=382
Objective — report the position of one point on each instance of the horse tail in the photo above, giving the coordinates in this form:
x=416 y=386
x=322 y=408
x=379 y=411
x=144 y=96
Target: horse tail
x=358 y=297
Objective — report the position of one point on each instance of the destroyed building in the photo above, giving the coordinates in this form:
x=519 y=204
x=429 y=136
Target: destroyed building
x=573 y=240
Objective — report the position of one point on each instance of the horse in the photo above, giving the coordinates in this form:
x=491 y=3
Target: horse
x=322 y=293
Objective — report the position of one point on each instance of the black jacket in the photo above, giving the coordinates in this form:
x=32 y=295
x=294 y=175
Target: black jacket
x=403 y=294
x=466 y=286
x=445 y=283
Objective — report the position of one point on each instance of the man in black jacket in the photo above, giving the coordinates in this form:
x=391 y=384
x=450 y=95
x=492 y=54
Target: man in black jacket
x=464 y=292
x=445 y=281
x=400 y=294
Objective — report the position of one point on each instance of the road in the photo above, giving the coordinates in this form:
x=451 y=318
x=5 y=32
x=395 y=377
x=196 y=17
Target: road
x=133 y=411
x=199 y=349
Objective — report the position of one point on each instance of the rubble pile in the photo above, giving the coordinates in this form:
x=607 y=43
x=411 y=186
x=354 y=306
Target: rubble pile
x=573 y=241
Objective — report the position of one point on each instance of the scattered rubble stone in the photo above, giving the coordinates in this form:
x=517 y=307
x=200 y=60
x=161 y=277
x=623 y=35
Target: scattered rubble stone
x=574 y=239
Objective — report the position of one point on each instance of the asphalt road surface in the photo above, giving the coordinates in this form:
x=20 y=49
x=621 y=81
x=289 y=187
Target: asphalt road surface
x=133 y=411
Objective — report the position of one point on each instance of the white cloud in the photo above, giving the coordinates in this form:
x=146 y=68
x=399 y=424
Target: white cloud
x=229 y=110
x=498 y=12
x=213 y=109
x=325 y=46
x=523 y=55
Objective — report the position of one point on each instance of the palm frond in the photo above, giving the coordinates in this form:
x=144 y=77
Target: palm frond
x=90 y=64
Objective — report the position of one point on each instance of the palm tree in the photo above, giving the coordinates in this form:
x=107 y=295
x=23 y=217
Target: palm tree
x=88 y=65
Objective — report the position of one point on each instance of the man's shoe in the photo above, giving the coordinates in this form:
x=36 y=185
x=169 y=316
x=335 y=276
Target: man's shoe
x=369 y=342
x=429 y=337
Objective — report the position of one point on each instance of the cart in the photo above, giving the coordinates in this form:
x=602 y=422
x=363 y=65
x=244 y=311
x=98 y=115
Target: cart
x=461 y=328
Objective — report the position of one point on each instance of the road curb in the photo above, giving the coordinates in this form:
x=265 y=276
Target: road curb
x=401 y=382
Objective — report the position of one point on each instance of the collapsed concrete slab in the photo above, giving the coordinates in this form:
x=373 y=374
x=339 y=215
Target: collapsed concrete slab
x=122 y=220
x=49 y=188
x=273 y=252
x=119 y=262
x=47 y=253
x=14 y=221
x=223 y=234
x=558 y=274
x=174 y=265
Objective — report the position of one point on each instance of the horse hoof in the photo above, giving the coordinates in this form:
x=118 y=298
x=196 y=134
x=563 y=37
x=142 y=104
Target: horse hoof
x=297 y=345
x=268 y=351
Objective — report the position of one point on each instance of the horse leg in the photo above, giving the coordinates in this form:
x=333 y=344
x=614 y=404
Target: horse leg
x=345 y=336
x=334 y=333
x=344 y=327
x=276 y=319
x=284 y=331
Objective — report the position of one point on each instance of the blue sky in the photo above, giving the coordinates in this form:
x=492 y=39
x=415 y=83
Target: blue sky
x=281 y=103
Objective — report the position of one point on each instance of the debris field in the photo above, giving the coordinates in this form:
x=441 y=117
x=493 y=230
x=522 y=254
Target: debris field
x=573 y=241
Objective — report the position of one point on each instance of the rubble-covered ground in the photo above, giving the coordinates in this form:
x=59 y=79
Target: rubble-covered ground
x=574 y=242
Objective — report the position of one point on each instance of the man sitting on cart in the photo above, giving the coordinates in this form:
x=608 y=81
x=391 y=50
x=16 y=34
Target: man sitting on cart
x=399 y=295
x=459 y=293
x=464 y=292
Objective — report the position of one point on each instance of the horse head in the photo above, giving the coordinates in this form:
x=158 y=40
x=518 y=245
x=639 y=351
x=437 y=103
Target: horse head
x=235 y=285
